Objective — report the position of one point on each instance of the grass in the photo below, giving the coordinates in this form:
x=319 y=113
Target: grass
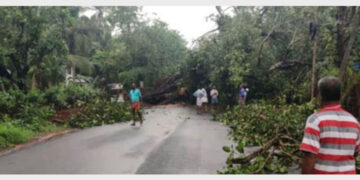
x=11 y=135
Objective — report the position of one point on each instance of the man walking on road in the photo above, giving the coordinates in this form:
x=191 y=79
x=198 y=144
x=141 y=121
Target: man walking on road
x=135 y=97
x=331 y=141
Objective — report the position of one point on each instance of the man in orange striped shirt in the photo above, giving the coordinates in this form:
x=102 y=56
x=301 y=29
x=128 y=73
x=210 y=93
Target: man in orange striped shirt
x=331 y=139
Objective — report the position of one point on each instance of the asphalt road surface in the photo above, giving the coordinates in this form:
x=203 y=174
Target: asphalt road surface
x=172 y=140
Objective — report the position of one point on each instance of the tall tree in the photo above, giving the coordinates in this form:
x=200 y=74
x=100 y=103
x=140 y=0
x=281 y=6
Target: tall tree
x=313 y=36
x=31 y=37
x=354 y=27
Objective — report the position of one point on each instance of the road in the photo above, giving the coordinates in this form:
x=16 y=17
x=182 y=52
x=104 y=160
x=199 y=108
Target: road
x=172 y=140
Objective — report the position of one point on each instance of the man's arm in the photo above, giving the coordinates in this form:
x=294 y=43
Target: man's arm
x=308 y=163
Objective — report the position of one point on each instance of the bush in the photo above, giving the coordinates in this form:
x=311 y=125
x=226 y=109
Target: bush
x=34 y=96
x=25 y=115
x=13 y=100
x=14 y=135
x=30 y=111
x=55 y=97
x=10 y=100
x=279 y=126
x=30 y=115
x=80 y=93
x=3 y=143
x=66 y=97
x=99 y=112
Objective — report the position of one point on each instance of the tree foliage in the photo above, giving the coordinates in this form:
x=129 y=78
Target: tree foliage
x=145 y=54
x=31 y=45
x=270 y=50
x=276 y=52
x=113 y=44
x=276 y=129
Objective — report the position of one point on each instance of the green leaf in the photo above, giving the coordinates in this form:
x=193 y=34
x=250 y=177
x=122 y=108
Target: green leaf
x=226 y=148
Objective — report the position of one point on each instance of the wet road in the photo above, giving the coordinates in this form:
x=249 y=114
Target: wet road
x=172 y=140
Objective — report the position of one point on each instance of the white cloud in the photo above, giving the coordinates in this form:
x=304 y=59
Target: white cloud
x=190 y=21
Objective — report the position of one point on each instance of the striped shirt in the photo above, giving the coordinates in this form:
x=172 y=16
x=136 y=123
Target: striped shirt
x=333 y=135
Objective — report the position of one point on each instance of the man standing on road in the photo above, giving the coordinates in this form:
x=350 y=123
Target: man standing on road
x=331 y=141
x=214 y=96
x=135 y=97
x=204 y=99
x=198 y=94
x=183 y=94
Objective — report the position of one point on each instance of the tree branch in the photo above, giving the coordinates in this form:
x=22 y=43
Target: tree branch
x=265 y=39
x=293 y=39
x=265 y=162
x=286 y=64
x=247 y=158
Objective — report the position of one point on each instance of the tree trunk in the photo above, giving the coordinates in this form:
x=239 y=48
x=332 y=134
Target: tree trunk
x=2 y=86
x=73 y=73
x=340 y=43
x=50 y=84
x=314 y=73
x=346 y=57
x=358 y=100
x=33 y=82
x=72 y=43
x=262 y=45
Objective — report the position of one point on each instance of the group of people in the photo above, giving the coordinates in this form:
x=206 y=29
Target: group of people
x=202 y=97
x=331 y=139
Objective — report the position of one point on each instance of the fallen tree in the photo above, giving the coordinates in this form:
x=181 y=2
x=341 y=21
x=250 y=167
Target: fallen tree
x=275 y=129
x=164 y=90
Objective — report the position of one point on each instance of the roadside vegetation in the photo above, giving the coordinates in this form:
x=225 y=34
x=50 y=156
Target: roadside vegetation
x=56 y=63
x=276 y=129
x=26 y=116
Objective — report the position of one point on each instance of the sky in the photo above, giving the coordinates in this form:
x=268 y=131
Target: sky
x=189 y=21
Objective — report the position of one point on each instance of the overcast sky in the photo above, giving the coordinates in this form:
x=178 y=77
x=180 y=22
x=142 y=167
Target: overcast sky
x=190 y=21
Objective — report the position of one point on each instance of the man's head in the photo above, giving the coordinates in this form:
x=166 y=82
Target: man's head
x=329 y=89
x=241 y=85
x=133 y=85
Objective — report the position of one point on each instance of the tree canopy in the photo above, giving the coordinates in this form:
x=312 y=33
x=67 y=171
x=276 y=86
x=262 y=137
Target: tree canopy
x=113 y=45
x=272 y=51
